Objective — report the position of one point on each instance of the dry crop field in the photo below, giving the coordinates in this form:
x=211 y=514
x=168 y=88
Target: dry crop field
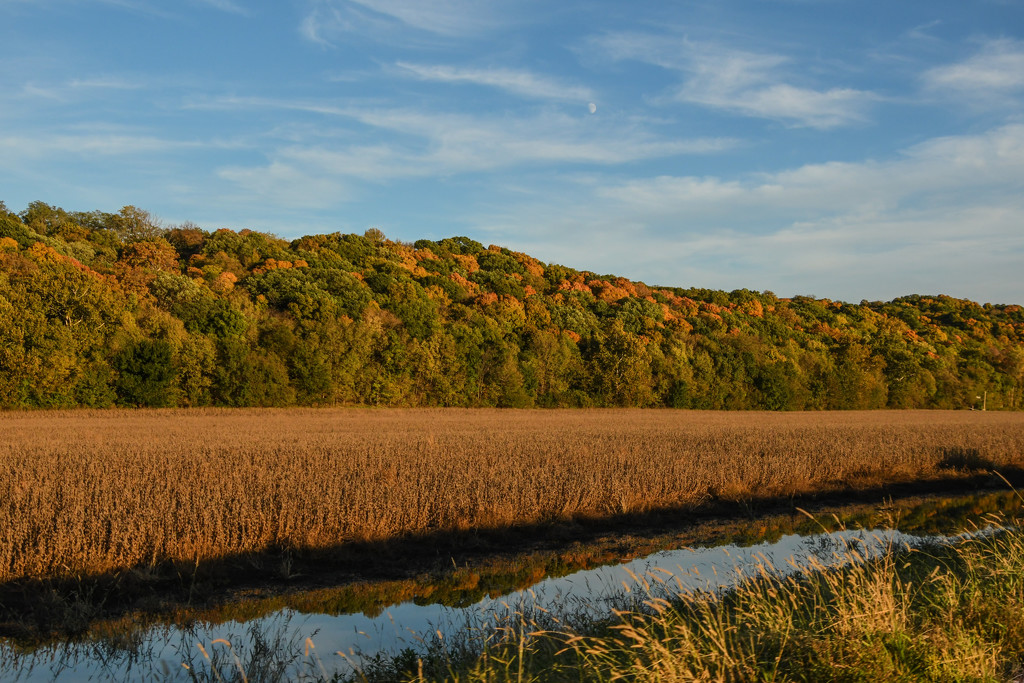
x=87 y=492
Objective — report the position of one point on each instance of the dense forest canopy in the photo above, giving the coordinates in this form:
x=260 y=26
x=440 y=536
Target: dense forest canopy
x=100 y=309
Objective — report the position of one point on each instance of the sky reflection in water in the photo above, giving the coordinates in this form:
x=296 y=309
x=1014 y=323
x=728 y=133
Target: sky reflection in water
x=159 y=653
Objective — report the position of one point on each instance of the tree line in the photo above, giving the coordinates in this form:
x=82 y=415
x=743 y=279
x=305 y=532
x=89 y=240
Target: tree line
x=100 y=309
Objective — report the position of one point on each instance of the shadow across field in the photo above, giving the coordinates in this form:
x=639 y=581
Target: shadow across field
x=460 y=566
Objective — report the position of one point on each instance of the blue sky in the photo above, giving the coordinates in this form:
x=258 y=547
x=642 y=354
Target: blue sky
x=844 y=149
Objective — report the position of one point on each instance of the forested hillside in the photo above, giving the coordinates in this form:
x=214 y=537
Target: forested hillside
x=101 y=309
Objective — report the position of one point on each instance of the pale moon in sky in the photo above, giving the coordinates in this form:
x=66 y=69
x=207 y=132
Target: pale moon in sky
x=592 y=107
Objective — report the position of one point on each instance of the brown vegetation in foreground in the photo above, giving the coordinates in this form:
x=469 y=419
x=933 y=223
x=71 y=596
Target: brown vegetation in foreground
x=89 y=492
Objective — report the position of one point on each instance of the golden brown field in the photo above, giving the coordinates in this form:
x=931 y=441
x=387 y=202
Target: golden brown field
x=86 y=492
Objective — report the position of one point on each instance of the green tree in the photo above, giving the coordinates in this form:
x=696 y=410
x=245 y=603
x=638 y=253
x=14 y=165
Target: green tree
x=145 y=373
x=249 y=377
x=621 y=368
x=196 y=366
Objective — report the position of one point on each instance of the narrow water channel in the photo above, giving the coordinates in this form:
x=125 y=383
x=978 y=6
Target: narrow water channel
x=281 y=641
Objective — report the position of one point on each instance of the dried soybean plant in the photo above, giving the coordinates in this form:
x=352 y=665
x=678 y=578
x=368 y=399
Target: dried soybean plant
x=93 y=491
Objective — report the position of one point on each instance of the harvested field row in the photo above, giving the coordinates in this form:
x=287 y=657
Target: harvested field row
x=88 y=492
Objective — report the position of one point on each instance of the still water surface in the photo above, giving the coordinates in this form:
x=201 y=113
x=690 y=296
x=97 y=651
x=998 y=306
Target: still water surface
x=162 y=653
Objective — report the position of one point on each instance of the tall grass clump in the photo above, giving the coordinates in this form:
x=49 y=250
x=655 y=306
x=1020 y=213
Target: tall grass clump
x=939 y=613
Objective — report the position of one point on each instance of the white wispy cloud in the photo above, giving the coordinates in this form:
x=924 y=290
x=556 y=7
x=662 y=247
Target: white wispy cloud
x=225 y=6
x=332 y=170
x=422 y=143
x=780 y=101
x=446 y=17
x=943 y=170
x=32 y=90
x=748 y=83
x=518 y=82
x=24 y=147
x=465 y=142
x=994 y=73
x=325 y=20
x=74 y=89
x=138 y=6
x=286 y=185
x=105 y=83
x=100 y=139
x=150 y=7
x=311 y=29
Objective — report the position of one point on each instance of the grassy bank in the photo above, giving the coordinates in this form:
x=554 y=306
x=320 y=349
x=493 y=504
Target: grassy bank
x=940 y=614
x=104 y=491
